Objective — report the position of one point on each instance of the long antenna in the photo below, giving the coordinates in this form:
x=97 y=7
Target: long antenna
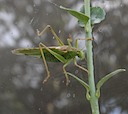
x=53 y=3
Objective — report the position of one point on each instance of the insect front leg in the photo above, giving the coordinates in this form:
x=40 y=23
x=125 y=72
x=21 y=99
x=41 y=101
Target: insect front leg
x=76 y=41
x=45 y=63
x=48 y=27
x=69 y=40
x=65 y=72
x=82 y=68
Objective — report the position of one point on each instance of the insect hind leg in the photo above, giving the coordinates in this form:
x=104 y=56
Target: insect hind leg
x=45 y=63
x=48 y=27
x=57 y=56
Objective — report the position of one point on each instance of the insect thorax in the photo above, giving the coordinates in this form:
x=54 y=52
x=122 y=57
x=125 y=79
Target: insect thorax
x=77 y=52
x=81 y=54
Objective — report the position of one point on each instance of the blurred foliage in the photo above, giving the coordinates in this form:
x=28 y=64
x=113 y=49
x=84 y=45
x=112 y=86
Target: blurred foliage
x=21 y=88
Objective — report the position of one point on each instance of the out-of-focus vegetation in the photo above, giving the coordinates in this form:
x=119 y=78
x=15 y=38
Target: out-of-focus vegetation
x=21 y=88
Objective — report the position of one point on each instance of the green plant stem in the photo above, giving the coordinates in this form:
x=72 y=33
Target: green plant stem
x=88 y=30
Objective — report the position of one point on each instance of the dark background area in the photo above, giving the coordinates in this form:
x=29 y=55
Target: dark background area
x=21 y=88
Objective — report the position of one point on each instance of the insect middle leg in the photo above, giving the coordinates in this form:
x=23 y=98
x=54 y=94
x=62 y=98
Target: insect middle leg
x=65 y=72
x=82 y=68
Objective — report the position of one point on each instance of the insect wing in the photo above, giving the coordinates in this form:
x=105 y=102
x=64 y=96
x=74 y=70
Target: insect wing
x=27 y=51
x=35 y=52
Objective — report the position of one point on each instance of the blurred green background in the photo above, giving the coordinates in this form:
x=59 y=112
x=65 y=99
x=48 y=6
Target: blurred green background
x=21 y=88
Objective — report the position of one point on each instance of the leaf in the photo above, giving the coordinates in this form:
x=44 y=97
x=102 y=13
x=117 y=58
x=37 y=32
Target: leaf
x=80 y=16
x=86 y=86
x=97 y=15
x=106 y=78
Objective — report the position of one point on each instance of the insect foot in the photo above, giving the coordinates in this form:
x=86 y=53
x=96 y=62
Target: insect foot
x=67 y=82
x=46 y=79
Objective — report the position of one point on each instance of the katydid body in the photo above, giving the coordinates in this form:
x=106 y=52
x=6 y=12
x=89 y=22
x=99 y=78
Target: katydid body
x=62 y=53
x=67 y=52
